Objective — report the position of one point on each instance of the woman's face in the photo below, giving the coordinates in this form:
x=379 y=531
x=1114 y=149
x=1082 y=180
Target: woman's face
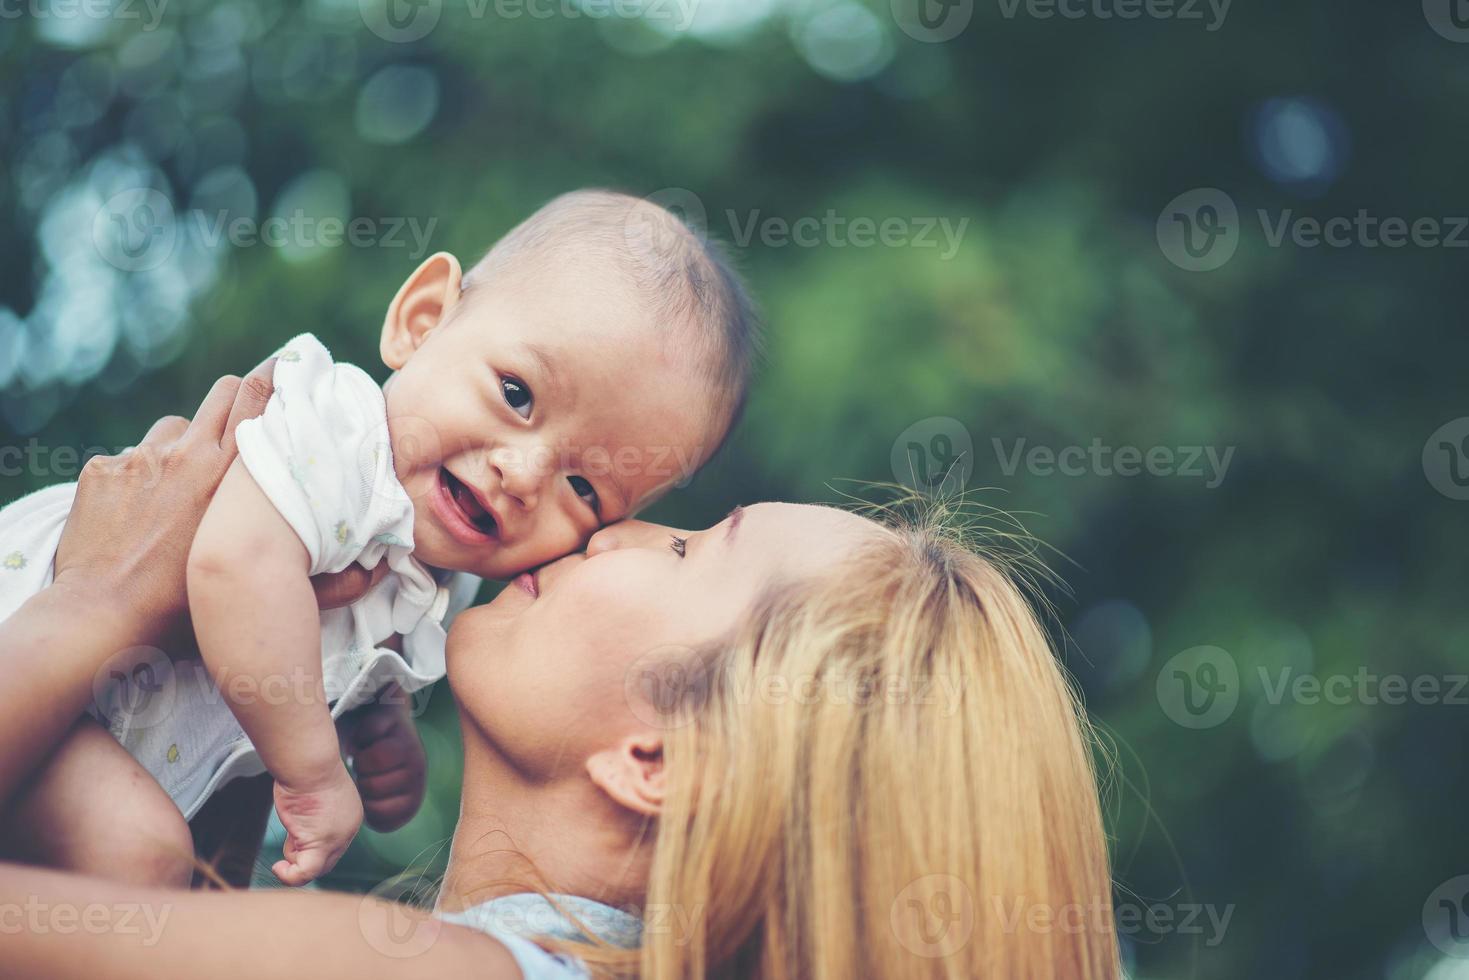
x=542 y=672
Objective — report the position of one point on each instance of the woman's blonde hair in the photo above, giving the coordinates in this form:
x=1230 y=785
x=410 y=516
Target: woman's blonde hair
x=885 y=773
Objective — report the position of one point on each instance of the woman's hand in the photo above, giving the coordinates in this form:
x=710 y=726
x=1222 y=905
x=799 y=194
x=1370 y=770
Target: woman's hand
x=119 y=570
x=129 y=531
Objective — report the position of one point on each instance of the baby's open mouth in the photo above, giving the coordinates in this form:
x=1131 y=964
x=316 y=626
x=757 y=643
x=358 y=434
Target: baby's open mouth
x=468 y=505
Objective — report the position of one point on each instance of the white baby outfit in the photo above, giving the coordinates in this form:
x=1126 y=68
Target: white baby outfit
x=320 y=453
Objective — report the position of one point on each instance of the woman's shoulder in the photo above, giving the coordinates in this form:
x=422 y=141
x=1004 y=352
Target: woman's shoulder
x=517 y=920
x=536 y=963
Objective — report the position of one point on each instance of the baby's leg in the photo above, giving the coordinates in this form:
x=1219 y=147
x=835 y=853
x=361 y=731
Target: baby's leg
x=94 y=809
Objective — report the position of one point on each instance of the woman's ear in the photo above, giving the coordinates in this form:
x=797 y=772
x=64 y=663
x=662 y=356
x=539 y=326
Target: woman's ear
x=420 y=306
x=631 y=773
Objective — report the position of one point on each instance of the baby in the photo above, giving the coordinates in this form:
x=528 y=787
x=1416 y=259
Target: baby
x=597 y=355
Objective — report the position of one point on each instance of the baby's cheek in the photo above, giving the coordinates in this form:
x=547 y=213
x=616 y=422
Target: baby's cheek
x=544 y=545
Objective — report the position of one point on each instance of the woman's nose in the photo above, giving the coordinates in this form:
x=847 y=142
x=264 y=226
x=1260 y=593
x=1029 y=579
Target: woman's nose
x=627 y=534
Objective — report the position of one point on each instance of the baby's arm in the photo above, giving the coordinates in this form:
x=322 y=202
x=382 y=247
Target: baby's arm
x=259 y=633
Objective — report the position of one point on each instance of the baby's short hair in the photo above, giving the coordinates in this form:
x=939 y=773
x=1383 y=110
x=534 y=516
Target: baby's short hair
x=687 y=280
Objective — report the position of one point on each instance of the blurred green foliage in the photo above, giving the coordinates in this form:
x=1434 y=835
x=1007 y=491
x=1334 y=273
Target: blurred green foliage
x=1057 y=320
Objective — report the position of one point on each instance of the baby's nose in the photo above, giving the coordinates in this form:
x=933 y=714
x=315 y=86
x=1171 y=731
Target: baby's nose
x=520 y=476
x=627 y=534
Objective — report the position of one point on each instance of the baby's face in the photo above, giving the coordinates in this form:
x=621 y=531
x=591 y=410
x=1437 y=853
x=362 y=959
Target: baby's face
x=540 y=410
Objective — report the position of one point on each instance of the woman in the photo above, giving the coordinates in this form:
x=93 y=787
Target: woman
x=800 y=743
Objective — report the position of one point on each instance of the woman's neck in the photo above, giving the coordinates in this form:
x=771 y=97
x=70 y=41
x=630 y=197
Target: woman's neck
x=558 y=835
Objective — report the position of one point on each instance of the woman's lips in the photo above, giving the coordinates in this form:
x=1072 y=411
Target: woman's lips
x=454 y=518
x=527 y=582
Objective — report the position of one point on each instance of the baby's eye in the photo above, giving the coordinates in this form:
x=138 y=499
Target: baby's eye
x=584 y=490
x=517 y=396
x=677 y=544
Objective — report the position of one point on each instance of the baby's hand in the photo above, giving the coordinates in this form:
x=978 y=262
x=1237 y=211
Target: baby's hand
x=387 y=758
x=320 y=822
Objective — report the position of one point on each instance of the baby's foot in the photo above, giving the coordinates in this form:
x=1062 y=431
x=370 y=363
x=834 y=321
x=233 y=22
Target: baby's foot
x=320 y=822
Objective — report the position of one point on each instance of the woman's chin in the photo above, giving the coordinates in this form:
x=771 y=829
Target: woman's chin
x=478 y=629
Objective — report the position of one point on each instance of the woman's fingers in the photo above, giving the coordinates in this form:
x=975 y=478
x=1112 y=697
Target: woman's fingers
x=250 y=399
x=347 y=586
x=209 y=421
x=165 y=431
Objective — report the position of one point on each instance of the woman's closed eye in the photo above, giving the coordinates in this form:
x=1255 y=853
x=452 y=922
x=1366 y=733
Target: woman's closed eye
x=517 y=395
x=678 y=544
x=586 y=492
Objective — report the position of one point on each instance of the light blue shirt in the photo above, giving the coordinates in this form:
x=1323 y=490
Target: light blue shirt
x=511 y=919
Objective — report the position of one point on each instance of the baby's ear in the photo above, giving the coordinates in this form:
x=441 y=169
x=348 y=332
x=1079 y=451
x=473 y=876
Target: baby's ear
x=420 y=306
